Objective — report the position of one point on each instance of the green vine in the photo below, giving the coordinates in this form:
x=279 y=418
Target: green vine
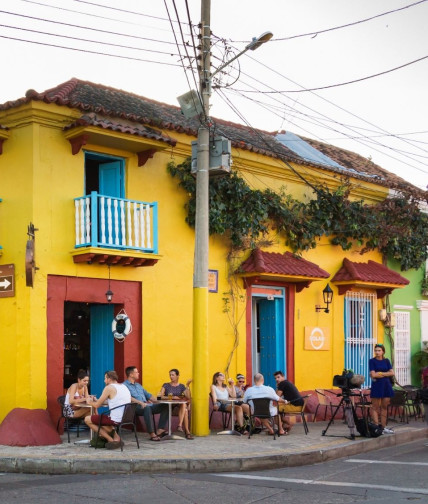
x=396 y=226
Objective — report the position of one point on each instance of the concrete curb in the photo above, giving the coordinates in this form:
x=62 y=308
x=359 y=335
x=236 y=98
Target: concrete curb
x=55 y=465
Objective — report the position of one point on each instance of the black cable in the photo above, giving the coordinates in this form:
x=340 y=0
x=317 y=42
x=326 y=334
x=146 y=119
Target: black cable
x=87 y=40
x=90 y=52
x=306 y=90
x=347 y=25
x=86 y=28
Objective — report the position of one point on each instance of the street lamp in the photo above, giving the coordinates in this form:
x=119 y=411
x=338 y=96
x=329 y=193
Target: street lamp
x=200 y=272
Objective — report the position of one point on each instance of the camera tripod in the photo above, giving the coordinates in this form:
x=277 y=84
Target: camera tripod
x=349 y=414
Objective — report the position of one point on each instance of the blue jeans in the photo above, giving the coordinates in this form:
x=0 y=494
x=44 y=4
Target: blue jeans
x=148 y=417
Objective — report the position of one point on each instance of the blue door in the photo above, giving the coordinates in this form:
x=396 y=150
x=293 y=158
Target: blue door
x=111 y=179
x=272 y=338
x=102 y=345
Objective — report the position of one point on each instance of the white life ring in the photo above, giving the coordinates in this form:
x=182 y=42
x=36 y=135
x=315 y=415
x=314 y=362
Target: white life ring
x=121 y=326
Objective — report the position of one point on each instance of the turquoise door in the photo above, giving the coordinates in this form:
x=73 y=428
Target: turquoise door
x=102 y=345
x=111 y=179
x=272 y=338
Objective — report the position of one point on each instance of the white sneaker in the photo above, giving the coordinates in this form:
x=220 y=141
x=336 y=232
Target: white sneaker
x=387 y=431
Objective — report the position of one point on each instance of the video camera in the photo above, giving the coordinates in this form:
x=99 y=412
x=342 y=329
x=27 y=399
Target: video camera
x=348 y=380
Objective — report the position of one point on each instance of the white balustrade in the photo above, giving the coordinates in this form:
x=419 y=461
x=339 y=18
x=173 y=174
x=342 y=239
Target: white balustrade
x=120 y=223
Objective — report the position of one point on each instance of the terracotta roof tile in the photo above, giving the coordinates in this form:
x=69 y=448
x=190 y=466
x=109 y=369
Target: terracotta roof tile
x=281 y=264
x=371 y=272
x=121 y=125
x=118 y=104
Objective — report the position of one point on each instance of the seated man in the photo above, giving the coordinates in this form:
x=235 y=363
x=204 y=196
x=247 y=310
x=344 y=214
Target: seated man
x=260 y=391
x=115 y=394
x=145 y=406
x=288 y=391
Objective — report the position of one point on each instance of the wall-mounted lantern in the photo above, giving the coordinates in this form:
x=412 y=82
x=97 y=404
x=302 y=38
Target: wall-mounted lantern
x=327 y=295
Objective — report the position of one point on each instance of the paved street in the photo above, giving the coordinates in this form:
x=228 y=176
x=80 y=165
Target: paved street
x=391 y=475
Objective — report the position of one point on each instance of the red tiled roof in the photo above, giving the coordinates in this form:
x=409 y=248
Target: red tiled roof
x=286 y=264
x=371 y=272
x=118 y=104
x=122 y=126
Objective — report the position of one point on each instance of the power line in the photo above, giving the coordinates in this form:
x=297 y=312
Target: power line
x=90 y=52
x=378 y=128
x=347 y=25
x=86 y=27
x=306 y=90
x=87 y=40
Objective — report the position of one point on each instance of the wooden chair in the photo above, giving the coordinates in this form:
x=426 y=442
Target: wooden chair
x=300 y=412
x=128 y=420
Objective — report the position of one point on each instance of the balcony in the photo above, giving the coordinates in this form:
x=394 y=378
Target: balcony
x=115 y=231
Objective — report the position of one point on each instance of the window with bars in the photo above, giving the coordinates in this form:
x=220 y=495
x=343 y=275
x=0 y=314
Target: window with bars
x=402 y=347
x=360 y=332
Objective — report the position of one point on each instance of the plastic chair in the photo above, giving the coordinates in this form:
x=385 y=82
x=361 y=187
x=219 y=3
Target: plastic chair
x=300 y=412
x=399 y=405
x=128 y=420
x=261 y=409
x=225 y=415
x=68 y=420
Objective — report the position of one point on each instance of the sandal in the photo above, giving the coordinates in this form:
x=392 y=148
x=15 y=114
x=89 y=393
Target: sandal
x=155 y=438
x=164 y=433
x=189 y=436
x=180 y=428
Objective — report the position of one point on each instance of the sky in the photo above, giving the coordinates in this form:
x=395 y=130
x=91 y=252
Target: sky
x=138 y=46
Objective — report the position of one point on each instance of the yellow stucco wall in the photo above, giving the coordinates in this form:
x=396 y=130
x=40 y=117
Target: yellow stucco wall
x=40 y=179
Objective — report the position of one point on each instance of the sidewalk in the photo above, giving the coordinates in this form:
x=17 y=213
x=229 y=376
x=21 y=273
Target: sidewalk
x=206 y=454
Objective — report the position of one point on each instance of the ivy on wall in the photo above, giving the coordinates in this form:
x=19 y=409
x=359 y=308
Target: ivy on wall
x=396 y=226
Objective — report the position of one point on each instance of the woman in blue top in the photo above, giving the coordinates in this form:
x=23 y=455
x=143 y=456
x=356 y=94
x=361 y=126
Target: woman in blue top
x=381 y=390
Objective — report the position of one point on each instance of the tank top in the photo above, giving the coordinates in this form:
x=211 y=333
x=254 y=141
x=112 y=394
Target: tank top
x=123 y=396
x=222 y=394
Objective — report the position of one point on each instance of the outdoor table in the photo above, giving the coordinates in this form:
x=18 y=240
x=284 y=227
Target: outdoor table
x=232 y=431
x=171 y=403
x=91 y=432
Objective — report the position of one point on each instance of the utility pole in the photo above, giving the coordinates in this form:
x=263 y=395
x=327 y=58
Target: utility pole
x=200 y=425
x=201 y=381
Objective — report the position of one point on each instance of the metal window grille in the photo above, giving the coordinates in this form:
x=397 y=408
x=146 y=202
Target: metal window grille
x=360 y=332
x=402 y=348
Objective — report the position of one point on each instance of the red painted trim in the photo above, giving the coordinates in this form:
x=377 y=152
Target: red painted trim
x=127 y=295
x=289 y=305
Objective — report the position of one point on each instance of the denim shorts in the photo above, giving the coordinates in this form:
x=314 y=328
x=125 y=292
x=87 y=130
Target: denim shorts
x=222 y=406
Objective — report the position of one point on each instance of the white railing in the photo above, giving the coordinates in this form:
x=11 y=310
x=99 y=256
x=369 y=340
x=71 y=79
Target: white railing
x=104 y=221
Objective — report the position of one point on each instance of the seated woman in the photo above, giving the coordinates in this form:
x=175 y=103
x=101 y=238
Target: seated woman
x=77 y=394
x=220 y=392
x=179 y=391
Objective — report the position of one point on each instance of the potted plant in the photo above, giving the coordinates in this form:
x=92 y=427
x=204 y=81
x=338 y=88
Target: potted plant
x=420 y=360
x=424 y=286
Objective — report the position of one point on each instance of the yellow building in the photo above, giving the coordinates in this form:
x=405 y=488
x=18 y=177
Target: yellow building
x=88 y=207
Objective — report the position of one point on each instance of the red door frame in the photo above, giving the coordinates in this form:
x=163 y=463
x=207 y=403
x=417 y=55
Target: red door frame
x=127 y=295
x=290 y=292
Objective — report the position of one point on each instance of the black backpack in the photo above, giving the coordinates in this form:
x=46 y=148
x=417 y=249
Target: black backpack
x=368 y=429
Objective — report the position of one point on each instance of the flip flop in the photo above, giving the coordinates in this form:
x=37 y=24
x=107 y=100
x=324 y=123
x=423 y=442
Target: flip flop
x=164 y=433
x=155 y=438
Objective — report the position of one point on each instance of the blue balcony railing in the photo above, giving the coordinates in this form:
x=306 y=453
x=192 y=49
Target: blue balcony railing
x=117 y=223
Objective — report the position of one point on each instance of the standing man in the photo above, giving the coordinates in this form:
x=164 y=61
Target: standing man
x=116 y=395
x=259 y=391
x=288 y=391
x=146 y=404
